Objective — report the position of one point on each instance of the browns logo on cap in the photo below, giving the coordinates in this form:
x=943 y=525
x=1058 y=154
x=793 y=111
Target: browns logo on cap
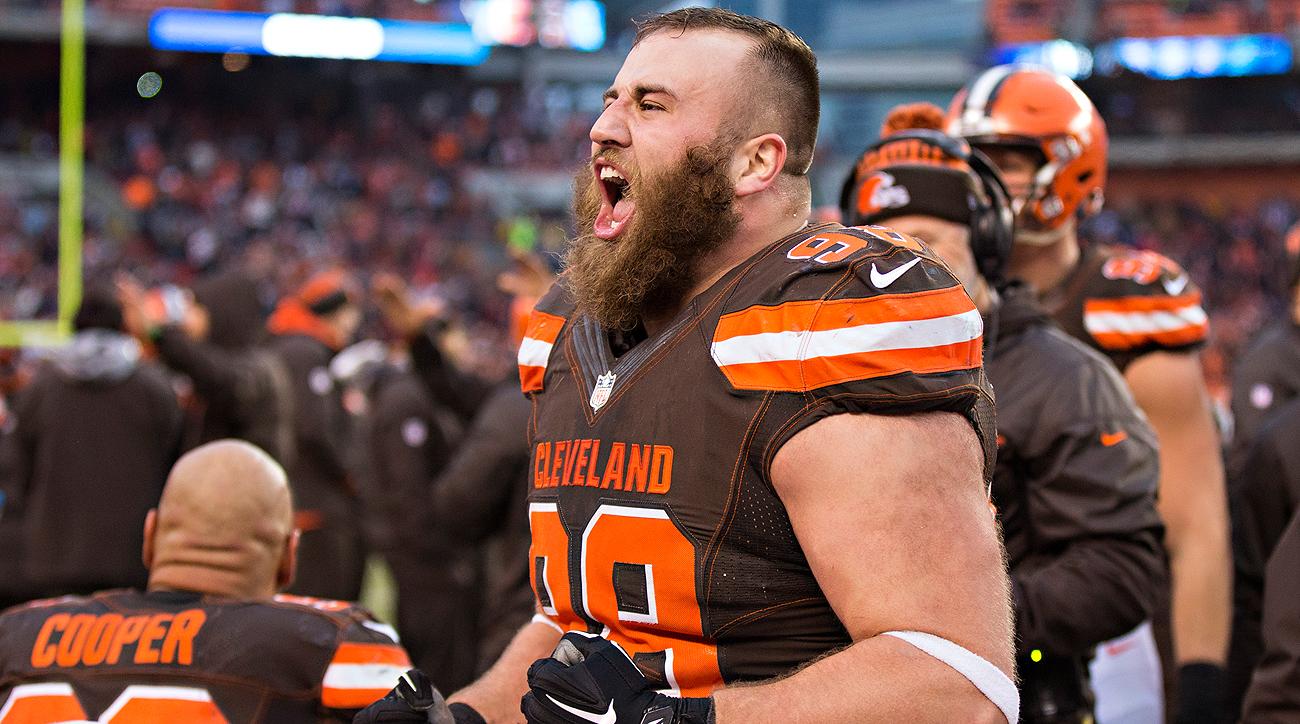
x=881 y=191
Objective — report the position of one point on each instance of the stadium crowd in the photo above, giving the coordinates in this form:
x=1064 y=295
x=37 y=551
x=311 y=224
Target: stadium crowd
x=341 y=226
x=303 y=194
x=292 y=193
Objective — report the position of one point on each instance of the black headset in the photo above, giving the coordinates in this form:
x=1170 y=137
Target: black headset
x=992 y=220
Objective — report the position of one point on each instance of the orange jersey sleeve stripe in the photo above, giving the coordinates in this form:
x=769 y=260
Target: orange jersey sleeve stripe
x=535 y=350
x=794 y=376
x=358 y=653
x=819 y=316
x=544 y=327
x=359 y=674
x=1131 y=322
x=353 y=698
x=530 y=378
x=1144 y=303
x=1179 y=338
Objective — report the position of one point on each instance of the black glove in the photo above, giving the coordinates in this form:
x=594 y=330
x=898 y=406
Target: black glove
x=415 y=701
x=590 y=679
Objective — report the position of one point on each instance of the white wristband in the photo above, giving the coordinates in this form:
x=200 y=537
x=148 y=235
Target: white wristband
x=986 y=677
x=542 y=618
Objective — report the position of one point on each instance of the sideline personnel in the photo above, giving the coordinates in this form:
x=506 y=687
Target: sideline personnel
x=208 y=640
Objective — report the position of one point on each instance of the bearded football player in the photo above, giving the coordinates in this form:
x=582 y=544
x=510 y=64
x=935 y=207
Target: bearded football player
x=1137 y=307
x=760 y=448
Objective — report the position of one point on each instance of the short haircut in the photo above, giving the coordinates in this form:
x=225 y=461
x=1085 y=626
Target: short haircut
x=100 y=309
x=793 y=91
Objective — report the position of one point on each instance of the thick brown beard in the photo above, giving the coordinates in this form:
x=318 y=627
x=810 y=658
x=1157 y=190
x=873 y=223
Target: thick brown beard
x=682 y=215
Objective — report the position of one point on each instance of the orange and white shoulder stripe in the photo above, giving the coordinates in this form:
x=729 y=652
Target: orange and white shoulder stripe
x=144 y=704
x=534 y=352
x=50 y=701
x=801 y=346
x=360 y=674
x=1128 y=322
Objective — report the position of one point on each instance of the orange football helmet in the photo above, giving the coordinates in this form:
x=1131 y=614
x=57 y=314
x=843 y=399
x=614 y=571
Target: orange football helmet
x=1025 y=106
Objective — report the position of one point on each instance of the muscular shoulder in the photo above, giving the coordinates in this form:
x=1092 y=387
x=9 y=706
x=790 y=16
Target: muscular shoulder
x=841 y=304
x=837 y=262
x=1139 y=301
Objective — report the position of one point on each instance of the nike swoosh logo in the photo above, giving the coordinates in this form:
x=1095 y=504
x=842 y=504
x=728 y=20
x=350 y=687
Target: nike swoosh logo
x=609 y=717
x=1111 y=439
x=883 y=280
x=1175 y=286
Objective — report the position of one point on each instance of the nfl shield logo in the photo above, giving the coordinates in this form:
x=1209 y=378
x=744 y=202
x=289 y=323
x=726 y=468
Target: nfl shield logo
x=600 y=395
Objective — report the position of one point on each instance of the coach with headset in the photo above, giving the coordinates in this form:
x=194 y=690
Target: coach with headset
x=1075 y=480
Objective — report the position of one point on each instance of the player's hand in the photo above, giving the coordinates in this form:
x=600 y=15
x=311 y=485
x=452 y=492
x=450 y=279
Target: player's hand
x=590 y=679
x=132 y=298
x=415 y=701
x=399 y=310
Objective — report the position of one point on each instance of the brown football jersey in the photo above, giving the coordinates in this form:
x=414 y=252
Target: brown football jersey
x=129 y=657
x=1128 y=302
x=654 y=517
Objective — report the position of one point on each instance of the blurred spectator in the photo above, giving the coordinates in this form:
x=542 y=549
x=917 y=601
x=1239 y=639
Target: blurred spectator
x=1267 y=375
x=480 y=498
x=1266 y=497
x=208 y=640
x=14 y=587
x=95 y=401
x=409 y=439
x=1274 y=695
x=243 y=391
x=309 y=328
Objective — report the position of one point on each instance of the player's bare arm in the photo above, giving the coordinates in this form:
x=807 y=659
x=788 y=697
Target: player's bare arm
x=1171 y=390
x=892 y=514
x=495 y=696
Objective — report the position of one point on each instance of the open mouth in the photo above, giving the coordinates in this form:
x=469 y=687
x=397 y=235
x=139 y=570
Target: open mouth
x=617 y=205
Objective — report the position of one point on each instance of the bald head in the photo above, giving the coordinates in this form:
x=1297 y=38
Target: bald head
x=224 y=525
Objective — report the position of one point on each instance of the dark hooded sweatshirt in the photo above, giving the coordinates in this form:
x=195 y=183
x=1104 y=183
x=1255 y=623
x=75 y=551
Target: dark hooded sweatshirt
x=1265 y=498
x=95 y=436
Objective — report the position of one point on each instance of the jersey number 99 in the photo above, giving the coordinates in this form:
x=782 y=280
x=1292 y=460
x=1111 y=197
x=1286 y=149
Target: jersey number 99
x=637 y=579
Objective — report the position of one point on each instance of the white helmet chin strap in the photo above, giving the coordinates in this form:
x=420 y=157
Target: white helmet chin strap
x=1047 y=237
